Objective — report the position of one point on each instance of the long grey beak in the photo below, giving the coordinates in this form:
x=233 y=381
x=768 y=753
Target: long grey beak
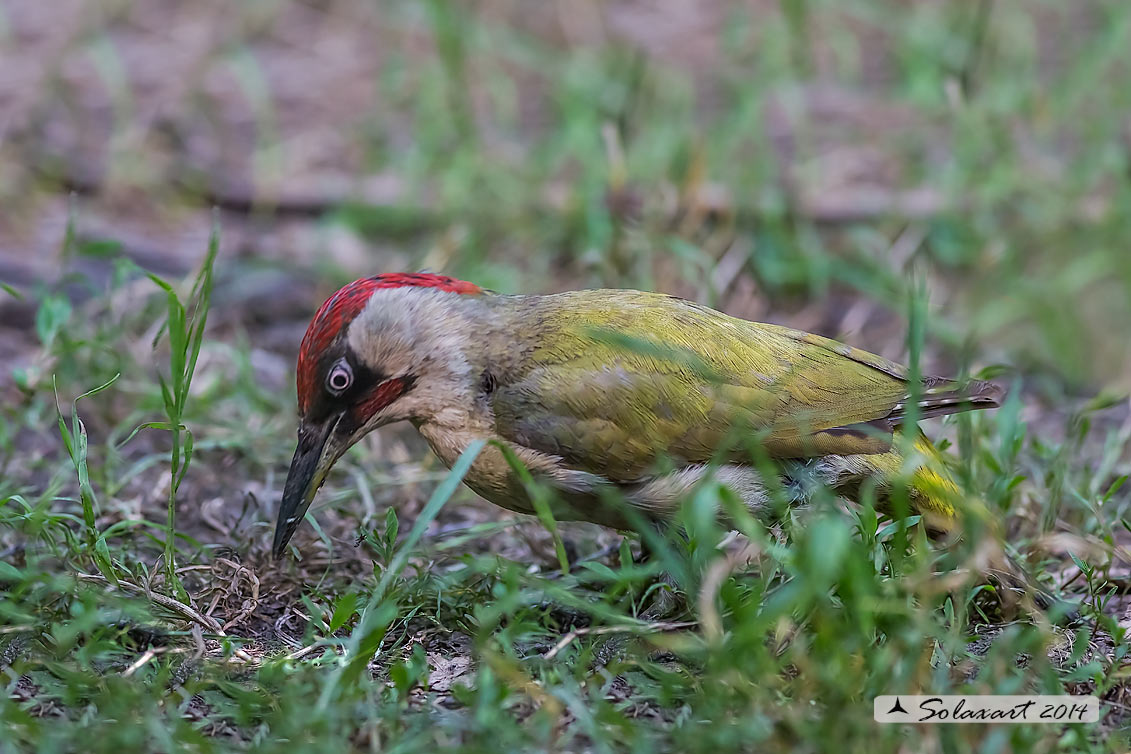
x=308 y=471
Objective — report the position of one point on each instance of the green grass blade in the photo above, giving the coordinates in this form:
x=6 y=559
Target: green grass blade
x=379 y=612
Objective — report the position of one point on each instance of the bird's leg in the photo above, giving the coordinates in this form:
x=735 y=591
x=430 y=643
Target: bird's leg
x=664 y=601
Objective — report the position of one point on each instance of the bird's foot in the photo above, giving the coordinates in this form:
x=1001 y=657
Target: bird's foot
x=665 y=602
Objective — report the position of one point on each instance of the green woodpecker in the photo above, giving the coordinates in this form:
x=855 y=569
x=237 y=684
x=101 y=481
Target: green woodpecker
x=640 y=395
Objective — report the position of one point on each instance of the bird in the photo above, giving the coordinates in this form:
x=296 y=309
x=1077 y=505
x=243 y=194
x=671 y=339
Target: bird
x=619 y=402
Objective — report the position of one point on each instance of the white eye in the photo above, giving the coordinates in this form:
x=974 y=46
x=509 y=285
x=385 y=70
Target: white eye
x=339 y=378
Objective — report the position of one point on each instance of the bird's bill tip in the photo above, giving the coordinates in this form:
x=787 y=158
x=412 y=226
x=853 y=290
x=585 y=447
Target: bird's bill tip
x=308 y=470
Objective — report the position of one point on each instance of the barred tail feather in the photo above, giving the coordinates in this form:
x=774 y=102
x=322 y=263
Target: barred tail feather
x=943 y=397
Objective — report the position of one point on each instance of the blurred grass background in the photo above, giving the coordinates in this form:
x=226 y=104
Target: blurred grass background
x=804 y=162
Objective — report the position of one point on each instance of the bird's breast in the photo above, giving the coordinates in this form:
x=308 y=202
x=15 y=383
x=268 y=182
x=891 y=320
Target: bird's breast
x=490 y=476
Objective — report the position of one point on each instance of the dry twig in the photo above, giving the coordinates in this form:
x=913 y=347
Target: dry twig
x=181 y=609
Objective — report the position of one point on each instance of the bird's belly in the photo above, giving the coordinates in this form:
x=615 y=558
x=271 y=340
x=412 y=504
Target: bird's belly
x=583 y=496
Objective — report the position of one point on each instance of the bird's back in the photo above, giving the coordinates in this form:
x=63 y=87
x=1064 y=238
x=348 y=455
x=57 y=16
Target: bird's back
x=614 y=380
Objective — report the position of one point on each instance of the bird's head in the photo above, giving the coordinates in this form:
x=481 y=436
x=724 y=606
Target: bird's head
x=380 y=350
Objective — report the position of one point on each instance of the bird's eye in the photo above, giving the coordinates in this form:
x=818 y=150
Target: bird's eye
x=339 y=378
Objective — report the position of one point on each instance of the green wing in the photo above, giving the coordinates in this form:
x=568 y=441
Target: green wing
x=612 y=381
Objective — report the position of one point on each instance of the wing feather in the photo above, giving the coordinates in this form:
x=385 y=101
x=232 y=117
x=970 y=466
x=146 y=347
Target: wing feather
x=613 y=382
